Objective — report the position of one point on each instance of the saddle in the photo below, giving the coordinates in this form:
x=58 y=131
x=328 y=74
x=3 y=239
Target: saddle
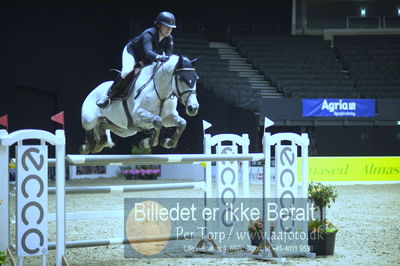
x=127 y=86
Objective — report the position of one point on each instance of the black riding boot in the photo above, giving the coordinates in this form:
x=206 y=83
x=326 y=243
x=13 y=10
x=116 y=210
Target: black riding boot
x=115 y=88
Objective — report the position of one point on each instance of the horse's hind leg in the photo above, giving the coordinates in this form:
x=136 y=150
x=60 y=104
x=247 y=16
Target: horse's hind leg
x=170 y=121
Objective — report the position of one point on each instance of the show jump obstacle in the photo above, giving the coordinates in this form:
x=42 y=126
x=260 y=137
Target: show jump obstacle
x=32 y=171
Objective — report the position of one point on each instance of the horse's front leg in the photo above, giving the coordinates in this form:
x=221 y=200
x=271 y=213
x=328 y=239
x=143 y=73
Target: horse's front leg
x=89 y=144
x=145 y=117
x=171 y=121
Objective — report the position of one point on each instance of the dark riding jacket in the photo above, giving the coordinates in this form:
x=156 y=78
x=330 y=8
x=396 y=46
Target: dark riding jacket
x=146 y=46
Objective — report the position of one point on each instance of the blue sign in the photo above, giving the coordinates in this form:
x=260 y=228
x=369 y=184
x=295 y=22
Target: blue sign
x=338 y=107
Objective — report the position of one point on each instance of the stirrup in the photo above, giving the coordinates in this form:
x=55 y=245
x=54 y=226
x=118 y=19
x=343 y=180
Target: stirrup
x=103 y=102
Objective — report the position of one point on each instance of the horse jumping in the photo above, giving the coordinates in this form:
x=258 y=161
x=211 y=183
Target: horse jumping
x=150 y=105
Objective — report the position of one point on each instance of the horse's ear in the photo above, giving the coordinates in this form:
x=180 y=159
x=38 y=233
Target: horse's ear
x=180 y=61
x=193 y=61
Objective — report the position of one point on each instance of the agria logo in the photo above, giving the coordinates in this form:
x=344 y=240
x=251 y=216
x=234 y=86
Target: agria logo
x=338 y=105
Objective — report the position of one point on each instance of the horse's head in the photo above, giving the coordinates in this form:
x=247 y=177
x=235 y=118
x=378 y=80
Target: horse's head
x=185 y=88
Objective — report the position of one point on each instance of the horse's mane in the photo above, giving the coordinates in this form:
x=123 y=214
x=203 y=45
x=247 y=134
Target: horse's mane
x=171 y=63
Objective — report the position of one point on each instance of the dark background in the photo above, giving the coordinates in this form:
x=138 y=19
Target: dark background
x=54 y=53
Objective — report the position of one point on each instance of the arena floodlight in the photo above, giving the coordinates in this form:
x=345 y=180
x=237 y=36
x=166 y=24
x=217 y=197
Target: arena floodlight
x=363 y=11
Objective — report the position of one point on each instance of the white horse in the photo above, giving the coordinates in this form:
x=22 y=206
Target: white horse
x=151 y=105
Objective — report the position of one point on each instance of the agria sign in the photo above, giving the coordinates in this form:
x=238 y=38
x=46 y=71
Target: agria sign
x=32 y=231
x=338 y=107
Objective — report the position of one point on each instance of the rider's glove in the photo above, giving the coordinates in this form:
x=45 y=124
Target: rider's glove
x=162 y=58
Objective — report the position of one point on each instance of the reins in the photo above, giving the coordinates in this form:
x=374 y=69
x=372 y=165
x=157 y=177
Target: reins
x=180 y=94
x=150 y=79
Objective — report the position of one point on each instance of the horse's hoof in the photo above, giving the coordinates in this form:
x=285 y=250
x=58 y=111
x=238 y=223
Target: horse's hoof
x=145 y=143
x=83 y=149
x=110 y=144
x=166 y=143
x=154 y=143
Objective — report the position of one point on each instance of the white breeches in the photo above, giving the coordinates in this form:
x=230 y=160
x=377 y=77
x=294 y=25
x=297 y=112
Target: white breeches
x=128 y=63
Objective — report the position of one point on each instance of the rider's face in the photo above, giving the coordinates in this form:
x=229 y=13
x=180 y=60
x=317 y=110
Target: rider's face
x=165 y=31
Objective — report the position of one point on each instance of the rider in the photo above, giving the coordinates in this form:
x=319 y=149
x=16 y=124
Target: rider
x=154 y=44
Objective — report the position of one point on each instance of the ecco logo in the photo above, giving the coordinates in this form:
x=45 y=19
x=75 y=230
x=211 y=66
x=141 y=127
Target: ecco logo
x=228 y=186
x=32 y=200
x=287 y=181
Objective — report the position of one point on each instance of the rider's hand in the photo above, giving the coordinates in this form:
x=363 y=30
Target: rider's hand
x=162 y=58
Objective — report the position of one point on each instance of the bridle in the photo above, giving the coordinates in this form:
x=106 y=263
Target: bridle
x=190 y=90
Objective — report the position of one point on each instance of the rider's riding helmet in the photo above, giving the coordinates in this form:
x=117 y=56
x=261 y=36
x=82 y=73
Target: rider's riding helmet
x=166 y=18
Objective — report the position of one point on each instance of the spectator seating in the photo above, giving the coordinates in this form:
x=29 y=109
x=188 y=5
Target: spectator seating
x=299 y=66
x=373 y=63
x=302 y=66
x=214 y=72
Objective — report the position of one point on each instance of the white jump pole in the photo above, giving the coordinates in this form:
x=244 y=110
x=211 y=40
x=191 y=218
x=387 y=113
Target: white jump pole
x=304 y=163
x=119 y=160
x=60 y=200
x=4 y=194
x=130 y=188
x=208 y=173
x=117 y=241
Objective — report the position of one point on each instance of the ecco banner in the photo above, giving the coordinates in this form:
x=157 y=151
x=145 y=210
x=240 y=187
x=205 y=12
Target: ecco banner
x=32 y=173
x=338 y=107
x=227 y=189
